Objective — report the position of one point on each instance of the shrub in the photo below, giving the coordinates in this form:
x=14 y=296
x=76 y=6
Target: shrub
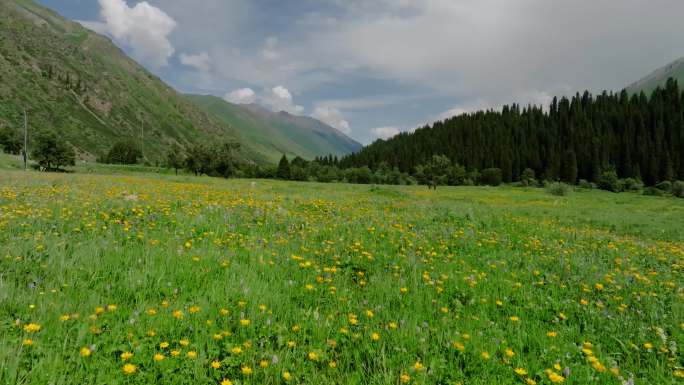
x=631 y=184
x=678 y=189
x=585 y=184
x=664 y=186
x=652 y=191
x=491 y=177
x=558 y=189
x=609 y=181
x=528 y=177
x=327 y=174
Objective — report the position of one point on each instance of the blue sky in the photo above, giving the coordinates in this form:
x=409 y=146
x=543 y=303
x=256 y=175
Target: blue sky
x=374 y=67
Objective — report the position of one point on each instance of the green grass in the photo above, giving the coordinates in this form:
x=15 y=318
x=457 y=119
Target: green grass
x=319 y=270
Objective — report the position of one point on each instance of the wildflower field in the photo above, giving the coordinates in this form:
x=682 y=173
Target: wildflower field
x=177 y=280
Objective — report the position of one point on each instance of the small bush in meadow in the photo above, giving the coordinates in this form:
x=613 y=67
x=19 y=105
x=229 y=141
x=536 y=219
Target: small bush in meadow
x=631 y=184
x=652 y=191
x=664 y=186
x=609 y=181
x=678 y=189
x=585 y=184
x=528 y=177
x=558 y=189
x=491 y=177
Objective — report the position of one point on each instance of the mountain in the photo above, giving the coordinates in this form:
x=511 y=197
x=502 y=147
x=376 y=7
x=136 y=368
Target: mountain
x=659 y=77
x=273 y=134
x=81 y=85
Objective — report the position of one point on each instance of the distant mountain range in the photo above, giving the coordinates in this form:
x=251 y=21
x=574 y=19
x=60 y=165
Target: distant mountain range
x=273 y=134
x=78 y=83
x=658 y=77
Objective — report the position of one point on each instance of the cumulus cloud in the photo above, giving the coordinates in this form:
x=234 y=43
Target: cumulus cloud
x=143 y=28
x=279 y=99
x=333 y=117
x=385 y=132
x=241 y=96
x=201 y=62
x=455 y=52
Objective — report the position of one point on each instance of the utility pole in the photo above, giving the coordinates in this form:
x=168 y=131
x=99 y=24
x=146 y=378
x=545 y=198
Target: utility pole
x=25 y=139
x=142 y=137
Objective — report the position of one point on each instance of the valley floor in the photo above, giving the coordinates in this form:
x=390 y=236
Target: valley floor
x=145 y=279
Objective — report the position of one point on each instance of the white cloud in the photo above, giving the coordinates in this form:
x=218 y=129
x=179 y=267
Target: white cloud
x=333 y=117
x=465 y=108
x=143 y=27
x=241 y=96
x=537 y=98
x=385 y=132
x=451 y=51
x=201 y=62
x=280 y=99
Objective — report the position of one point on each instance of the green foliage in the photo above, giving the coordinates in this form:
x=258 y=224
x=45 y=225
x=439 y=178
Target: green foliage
x=630 y=184
x=52 y=152
x=585 y=184
x=558 y=189
x=435 y=172
x=491 y=177
x=569 y=167
x=124 y=152
x=528 y=177
x=652 y=191
x=11 y=141
x=664 y=186
x=678 y=189
x=457 y=175
x=175 y=158
x=198 y=159
x=361 y=175
x=283 y=168
x=225 y=159
x=609 y=181
x=575 y=138
x=327 y=174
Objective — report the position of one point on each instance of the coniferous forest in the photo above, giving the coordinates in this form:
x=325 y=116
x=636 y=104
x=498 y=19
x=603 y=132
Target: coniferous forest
x=637 y=136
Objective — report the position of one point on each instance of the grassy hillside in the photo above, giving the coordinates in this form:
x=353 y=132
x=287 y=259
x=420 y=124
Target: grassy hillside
x=659 y=77
x=273 y=134
x=79 y=84
x=152 y=279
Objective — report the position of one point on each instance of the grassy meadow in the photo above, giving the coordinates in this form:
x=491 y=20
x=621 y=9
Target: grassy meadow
x=144 y=279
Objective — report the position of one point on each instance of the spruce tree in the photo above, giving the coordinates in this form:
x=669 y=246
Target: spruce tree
x=283 y=168
x=569 y=168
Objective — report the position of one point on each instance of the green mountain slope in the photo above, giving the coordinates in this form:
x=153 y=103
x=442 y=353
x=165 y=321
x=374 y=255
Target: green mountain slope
x=273 y=134
x=79 y=84
x=659 y=77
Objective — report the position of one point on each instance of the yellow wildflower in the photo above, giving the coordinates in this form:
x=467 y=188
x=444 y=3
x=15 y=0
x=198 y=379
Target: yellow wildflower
x=129 y=368
x=85 y=352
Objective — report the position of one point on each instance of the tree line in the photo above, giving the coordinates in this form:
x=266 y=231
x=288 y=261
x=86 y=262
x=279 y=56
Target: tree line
x=582 y=137
x=612 y=141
